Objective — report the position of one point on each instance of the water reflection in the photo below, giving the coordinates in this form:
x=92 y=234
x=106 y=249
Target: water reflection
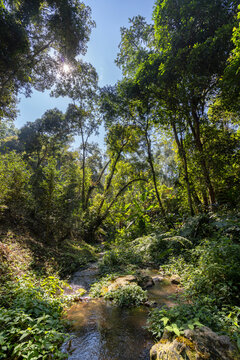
x=105 y=332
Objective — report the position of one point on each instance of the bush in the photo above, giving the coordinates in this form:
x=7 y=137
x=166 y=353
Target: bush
x=180 y=318
x=148 y=250
x=99 y=288
x=24 y=336
x=187 y=316
x=30 y=319
x=211 y=270
x=128 y=295
x=15 y=192
x=114 y=259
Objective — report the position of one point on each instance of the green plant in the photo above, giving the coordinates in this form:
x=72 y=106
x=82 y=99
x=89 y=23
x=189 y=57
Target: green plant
x=31 y=319
x=128 y=295
x=231 y=323
x=188 y=316
x=210 y=269
x=119 y=256
x=24 y=336
x=151 y=249
x=182 y=317
x=100 y=287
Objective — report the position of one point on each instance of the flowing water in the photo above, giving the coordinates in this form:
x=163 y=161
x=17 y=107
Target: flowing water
x=103 y=331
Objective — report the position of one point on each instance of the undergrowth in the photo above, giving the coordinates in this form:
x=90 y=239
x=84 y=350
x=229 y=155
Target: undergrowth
x=127 y=296
x=32 y=298
x=209 y=272
x=31 y=319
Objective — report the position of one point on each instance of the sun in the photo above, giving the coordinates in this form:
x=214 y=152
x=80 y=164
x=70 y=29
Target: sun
x=66 y=68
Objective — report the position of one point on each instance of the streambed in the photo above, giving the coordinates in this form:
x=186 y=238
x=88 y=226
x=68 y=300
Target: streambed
x=103 y=331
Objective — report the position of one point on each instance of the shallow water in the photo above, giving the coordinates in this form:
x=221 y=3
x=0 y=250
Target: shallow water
x=103 y=331
x=84 y=278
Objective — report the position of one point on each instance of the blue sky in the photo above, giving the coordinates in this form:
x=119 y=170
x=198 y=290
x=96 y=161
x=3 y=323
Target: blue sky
x=109 y=16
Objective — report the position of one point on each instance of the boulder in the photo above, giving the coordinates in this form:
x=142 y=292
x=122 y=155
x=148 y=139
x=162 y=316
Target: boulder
x=143 y=279
x=175 y=279
x=199 y=344
x=121 y=281
x=157 y=279
x=145 y=282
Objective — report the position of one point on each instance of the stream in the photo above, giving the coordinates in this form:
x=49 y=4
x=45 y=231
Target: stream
x=103 y=331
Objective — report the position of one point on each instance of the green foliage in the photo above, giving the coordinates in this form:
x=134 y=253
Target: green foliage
x=188 y=316
x=123 y=296
x=148 y=250
x=30 y=319
x=230 y=81
x=34 y=42
x=29 y=338
x=117 y=257
x=74 y=255
x=128 y=295
x=14 y=184
x=182 y=317
x=216 y=270
x=209 y=272
x=100 y=287
x=231 y=323
x=210 y=269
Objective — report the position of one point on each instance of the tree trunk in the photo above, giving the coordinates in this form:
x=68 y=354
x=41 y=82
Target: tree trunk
x=195 y=128
x=197 y=201
x=83 y=170
x=183 y=157
x=150 y=160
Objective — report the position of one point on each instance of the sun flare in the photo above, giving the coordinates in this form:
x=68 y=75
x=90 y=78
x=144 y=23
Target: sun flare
x=66 y=68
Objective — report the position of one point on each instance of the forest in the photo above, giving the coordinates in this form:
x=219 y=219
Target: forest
x=157 y=204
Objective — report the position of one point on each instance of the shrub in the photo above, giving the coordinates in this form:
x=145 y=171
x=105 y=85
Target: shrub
x=211 y=270
x=180 y=318
x=30 y=319
x=119 y=256
x=187 y=316
x=99 y=288
x=24 y=336
x=148 y=250
x=128 y=295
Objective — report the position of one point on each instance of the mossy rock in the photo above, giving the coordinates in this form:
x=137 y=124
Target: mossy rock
x=122 y=281
x=199 y=344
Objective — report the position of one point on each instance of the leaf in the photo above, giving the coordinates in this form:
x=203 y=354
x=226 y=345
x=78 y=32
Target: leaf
x=165 y=320
x=177 y=331
x=2 y=340
x=24 y=335
x=198 y=323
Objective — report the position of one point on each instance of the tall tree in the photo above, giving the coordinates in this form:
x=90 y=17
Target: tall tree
x=36 y=38
x=80 y=84
x=183 y=65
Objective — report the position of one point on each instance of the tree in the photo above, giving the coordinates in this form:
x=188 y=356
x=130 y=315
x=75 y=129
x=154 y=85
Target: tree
x=183 y=65
x=44 y=137
x=119 y=109
x=37 y=38
x=230 y=95
x=80 y=85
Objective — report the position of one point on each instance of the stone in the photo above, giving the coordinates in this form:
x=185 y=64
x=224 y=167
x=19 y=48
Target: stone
x=145 y=282
x=143 y=279
x=157 y=279
x=121 y=281
x=199 y=344
x=175 y=279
